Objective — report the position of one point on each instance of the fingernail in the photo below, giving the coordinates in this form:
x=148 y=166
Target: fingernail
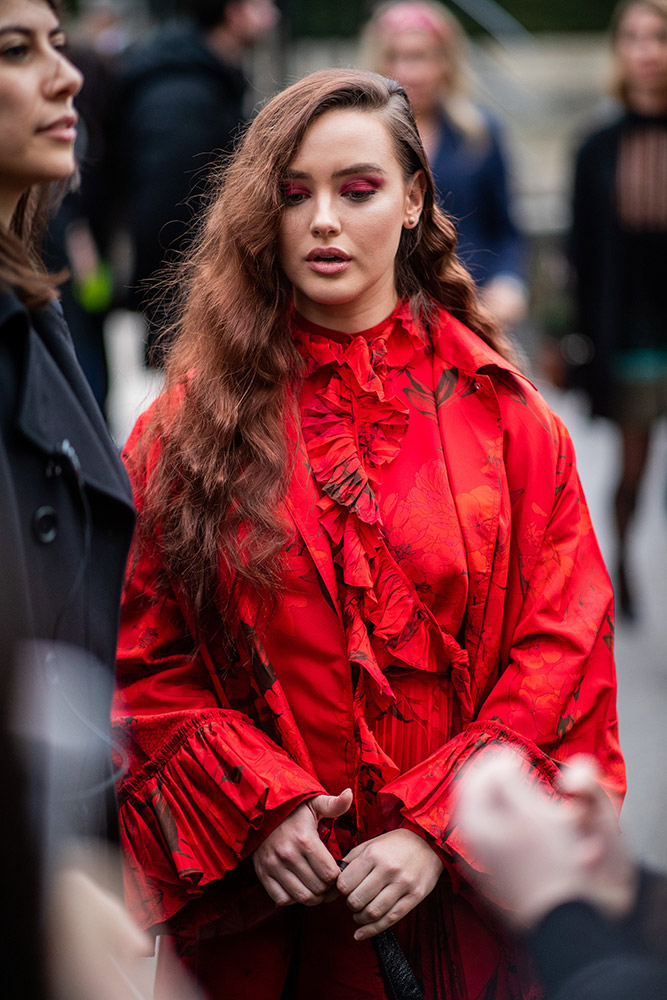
x=359 y=935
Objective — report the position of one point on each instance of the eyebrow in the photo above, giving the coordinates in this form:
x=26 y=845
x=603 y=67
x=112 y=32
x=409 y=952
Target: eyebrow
x=20 y=29
x=356 y=168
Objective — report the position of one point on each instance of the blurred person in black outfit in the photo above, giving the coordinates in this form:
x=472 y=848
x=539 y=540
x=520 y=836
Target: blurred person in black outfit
x=556 y=870
x=79 y=234
x=619 y=253
x=181 y=106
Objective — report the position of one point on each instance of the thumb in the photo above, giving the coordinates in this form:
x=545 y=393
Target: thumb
x=330 y=806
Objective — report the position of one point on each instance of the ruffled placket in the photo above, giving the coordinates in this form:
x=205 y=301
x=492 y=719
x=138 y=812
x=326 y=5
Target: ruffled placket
x=353 y=425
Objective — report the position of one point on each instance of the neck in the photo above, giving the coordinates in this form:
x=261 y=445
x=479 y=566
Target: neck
x=223 y=42
x=648 y=102
x=8 y=203
x=348 y=317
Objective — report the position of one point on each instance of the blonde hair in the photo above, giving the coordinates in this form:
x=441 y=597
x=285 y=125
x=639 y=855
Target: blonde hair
x=619 y=84
x=430 y=18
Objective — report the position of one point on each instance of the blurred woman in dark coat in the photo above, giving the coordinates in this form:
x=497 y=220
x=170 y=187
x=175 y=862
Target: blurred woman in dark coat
x=619 y=252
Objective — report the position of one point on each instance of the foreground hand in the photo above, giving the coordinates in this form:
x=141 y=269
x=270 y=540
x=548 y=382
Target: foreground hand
x=537 y=851
x=94 y=949
x=293 y=864
x=386 y=877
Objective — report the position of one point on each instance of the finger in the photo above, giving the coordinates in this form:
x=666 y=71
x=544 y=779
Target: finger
x=296 y=889
x=275 y=890
x=379 y=905
x=303 y=871
x=367 y=890
x=358 y=866
x=390 y=917
x=331 y=806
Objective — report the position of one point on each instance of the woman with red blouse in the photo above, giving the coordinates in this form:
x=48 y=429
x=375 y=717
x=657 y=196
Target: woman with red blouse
x=362 y=556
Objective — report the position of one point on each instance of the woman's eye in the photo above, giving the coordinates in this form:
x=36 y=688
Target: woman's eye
x=358 y=191
x=294 y=199
x=294 y=194
x=15 y=53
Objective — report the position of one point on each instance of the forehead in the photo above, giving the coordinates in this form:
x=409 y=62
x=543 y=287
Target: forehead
x=642 y=16
x=412 y=42
x=27 y=13
x=340 y=137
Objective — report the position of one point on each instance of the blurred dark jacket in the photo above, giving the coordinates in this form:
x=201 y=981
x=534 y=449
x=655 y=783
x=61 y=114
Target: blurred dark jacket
x=66 y=520
x=620 y=274
x=471 y=180
x=583 y=956
x=181 y=105
x=66 y=512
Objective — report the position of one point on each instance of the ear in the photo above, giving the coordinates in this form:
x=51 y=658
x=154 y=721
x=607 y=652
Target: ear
x=414 y=199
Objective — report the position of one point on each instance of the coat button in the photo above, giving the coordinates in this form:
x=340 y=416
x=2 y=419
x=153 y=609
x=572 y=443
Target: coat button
x=45 y=524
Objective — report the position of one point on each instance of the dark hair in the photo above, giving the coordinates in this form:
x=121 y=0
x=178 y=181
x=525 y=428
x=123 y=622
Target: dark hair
x=206 y=13
x=222 y=457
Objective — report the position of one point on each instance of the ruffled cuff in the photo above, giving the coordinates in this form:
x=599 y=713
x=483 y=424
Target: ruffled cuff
x=205 y=801
x=426 y=795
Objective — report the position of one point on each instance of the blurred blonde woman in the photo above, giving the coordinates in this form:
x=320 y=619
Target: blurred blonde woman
x=619 y=252
x=423 y=47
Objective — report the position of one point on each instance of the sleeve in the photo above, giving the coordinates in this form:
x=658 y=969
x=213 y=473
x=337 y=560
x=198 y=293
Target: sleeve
x=504 y=241
x=554 y=693
x=581 y=956
x=203 y=784
x=582 y=238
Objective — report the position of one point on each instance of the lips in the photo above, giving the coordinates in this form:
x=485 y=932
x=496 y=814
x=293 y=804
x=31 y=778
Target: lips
x=64 y=127
x=328 y=255
x=328 y=261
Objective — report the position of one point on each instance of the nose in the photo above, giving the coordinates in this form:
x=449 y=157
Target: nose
x=324 y=221
x=66 y=78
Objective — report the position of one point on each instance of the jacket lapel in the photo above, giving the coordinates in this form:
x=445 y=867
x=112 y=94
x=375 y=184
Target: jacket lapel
x=57 y=406
x=472 y=438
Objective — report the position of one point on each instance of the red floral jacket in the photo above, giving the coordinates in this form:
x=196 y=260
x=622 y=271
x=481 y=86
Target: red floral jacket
x=444 y=593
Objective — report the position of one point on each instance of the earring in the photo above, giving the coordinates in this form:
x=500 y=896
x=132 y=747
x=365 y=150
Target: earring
x=411 y=220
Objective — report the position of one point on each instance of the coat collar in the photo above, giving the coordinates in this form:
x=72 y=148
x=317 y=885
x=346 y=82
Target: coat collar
x=55 y=403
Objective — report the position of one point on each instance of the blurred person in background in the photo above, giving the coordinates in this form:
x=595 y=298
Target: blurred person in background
x=66 y=520
x=181 y=107
x=558 y=872
x=362 y=555
x=78 y=238
x=423 y=47
x=619 y=255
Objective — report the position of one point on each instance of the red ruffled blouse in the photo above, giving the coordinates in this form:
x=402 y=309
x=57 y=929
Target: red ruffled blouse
x=444 y=594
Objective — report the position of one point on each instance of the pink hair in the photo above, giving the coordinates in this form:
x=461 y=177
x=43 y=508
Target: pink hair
x=411 y=16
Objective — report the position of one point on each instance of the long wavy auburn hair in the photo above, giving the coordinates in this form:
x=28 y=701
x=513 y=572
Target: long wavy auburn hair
x=221 y=436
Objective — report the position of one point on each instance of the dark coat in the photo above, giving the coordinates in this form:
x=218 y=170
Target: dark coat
x=66 y=520
x=472 y=184
x=181 y=105
x=66 y=514
x=583 y=956
x=605 y=257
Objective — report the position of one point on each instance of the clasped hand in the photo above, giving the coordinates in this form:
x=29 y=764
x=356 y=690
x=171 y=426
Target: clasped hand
x=383 y=878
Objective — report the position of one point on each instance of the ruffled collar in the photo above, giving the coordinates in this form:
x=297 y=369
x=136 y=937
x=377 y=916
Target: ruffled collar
x=369 y=353
x=354 y=421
